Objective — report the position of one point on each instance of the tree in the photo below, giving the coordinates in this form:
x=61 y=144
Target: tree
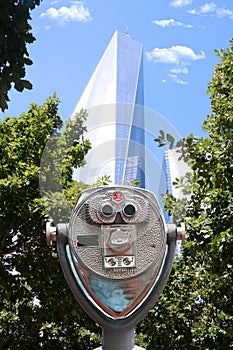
x=15 y=34
x=37 y=310
x=195 y=310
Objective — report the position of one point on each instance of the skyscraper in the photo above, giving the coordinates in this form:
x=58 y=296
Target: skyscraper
x=114 y=99
x=175 y=168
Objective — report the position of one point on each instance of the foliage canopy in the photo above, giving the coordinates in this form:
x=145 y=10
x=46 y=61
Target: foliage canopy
x=37 y=309
x=15 y=34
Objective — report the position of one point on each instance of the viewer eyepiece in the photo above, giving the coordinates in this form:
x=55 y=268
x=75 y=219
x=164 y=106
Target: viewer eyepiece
x=107 y=210
x=129 y=210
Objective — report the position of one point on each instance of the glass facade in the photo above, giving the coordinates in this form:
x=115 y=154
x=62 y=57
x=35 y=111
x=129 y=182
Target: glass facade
x=115 y=126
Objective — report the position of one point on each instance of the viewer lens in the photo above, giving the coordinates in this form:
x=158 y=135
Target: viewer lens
x=129 y=210
x=107 y=210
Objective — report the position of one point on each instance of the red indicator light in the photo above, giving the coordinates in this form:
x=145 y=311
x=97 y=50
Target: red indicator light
x=117 y=197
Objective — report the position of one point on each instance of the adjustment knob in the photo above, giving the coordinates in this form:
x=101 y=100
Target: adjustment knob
x=51 y=233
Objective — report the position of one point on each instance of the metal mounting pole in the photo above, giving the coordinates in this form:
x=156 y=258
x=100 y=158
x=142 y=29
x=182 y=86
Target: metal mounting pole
x=118 y=339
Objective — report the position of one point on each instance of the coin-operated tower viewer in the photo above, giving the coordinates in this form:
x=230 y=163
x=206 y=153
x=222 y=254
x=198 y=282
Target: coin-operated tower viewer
x=116 y=254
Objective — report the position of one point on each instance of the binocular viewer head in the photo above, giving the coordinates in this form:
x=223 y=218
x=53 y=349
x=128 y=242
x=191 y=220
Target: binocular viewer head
x=116 y=252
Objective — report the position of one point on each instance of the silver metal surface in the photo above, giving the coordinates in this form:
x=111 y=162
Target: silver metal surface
x=181 y=233
x=118 y=340
x=51 y=233
x=118 y=267
x=123 y=253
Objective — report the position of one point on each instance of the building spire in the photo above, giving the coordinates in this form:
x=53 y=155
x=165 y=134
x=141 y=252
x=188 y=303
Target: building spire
x=126 y=33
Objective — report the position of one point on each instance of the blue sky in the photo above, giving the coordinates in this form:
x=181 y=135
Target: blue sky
x=179 y=39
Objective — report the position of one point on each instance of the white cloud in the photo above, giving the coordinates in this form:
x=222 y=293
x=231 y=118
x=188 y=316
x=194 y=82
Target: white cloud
x=170 y=23
x=204 y=9
x=178 y=56
x=212 y=9
x=207 y=8
x=76 y=12
x=177 y=80
x=177 y=70
x=174 y=55
x=222 y=12
x=180 y=3
x=174 y=78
